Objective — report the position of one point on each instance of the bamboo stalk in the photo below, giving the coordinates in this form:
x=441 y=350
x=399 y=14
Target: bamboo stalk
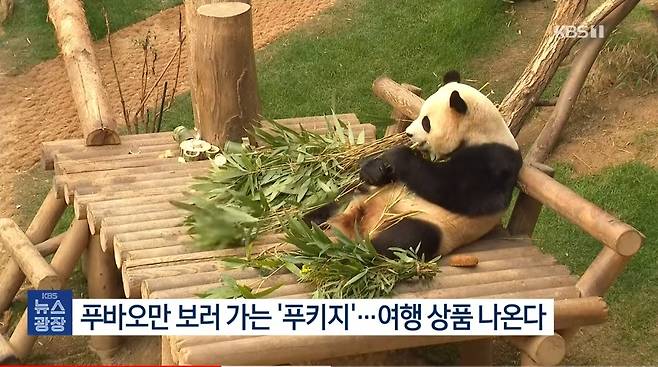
x=73 y=244
x=39 y=230
x=27 y=257
x=610 y=231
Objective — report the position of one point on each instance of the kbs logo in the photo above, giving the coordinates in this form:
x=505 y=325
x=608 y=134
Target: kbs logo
x=572 y=31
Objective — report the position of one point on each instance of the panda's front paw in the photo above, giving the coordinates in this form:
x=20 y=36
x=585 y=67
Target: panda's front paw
x=376 y=172
x=399 y=158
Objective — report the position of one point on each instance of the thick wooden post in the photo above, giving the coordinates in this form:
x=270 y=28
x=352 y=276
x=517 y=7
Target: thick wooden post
x=63 y=262
x=103 y=281
x=39 y=230
x=92 y=102
x=226 y=98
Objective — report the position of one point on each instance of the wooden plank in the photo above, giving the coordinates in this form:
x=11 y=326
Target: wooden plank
x=108 y=232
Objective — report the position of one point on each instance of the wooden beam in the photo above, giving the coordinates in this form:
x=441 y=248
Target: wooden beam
x=544 y=350
x=103 y=282
x=7 y=354
x=226 y=97
x=94 y=110
x=64 y=261
x=602 y=273
x=526 y=211
x=27 y=257
x=400 y=98
x=39 y=230
x=607 y=229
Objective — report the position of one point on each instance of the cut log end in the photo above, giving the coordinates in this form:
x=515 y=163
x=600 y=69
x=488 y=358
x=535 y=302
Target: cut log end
x=103 y=137
x=223 y=10
x=629 y=242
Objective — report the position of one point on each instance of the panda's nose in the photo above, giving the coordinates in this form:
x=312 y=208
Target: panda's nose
x=410 y=135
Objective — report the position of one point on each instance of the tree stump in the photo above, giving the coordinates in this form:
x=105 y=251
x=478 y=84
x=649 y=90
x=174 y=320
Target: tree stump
x=225 y=97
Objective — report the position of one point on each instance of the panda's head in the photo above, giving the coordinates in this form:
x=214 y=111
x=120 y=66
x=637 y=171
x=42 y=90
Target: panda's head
x=456 y=116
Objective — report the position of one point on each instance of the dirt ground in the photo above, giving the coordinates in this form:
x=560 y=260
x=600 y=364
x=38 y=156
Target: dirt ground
x=37 y=106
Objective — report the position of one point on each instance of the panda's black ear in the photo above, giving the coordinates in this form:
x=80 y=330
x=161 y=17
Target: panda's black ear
x=452 y=76
x=457 y=103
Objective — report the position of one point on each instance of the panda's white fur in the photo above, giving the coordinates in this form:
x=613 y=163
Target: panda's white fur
x=396 y=214
x=482 y=124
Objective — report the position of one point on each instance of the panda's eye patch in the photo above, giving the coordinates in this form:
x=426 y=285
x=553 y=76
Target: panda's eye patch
x=426 y=124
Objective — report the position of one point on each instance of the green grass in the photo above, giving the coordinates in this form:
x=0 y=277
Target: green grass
x=630 y=192
x=332 y=64
x=29 y=21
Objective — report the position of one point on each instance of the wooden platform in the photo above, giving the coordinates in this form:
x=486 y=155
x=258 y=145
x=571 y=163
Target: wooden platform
x=124 y=194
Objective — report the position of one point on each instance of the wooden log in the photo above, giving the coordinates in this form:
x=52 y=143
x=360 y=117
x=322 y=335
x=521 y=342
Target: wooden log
x=6 y=9
x=135 y=271
x=541 y=68
x=70 y=167
x=526 y=210
x=27 y=257
x=107 y=151
x=476 y=352
x=399 y=97
x=38 y=231
x=64 y=261
x=208 y=277
x=154 y=253
x=195 y=349
x=127 y=175
x=7 y=354
x=602 y=273
x=166 y=358
x=123 y=220
x=518 y=254
x=610 y=231
x=107 y=233
x=94 y=217
x=578 y=71
x=50 y=246
x=81 y=201
x=544 y=350
x=123 y=248
x=106 y=206
x=195 y=291
x=580 y=312
x=274 y=350
x=103 y=281
x=400 y=121
x=92 y=102
x=46 y=218
x=226 y=95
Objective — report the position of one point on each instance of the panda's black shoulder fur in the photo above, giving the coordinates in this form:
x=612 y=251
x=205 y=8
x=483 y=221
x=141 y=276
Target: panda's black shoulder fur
x=476 y=180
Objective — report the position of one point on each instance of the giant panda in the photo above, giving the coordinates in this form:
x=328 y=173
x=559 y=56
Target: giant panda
x=438 y=205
